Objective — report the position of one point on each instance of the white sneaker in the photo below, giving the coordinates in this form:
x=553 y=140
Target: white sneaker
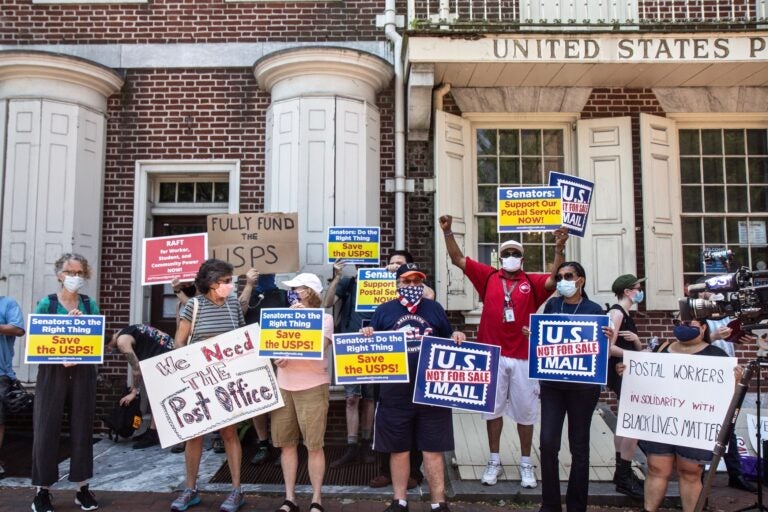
x=491 y=474
x=527 y=477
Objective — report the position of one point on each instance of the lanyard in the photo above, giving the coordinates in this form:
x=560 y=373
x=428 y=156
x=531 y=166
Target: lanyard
x=507 y=291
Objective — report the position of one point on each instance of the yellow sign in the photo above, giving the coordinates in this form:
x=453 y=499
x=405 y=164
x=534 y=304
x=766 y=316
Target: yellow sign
x=55 y=339
x=529 y=209
x=374 y=286
x=291 y=333
x=380 y=357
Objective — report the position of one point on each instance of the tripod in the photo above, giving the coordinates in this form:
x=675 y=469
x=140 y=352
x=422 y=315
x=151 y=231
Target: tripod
x=729 y=423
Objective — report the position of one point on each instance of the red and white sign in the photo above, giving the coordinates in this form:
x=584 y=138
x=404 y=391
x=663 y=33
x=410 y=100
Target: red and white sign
x=169 y=257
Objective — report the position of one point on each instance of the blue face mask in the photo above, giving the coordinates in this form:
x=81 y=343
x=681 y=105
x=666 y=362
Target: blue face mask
x=686 y=332
x=638 y=297
x=293 y=297
x=566 y=288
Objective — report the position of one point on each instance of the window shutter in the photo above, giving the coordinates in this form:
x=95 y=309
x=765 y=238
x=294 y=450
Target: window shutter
x=605 y=158
x=661 y=211
x=453 y=170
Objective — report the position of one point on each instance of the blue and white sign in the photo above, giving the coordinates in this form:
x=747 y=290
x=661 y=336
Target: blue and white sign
x=577 y=195
x=457 y=376
x=358 y=245
x=568 y=348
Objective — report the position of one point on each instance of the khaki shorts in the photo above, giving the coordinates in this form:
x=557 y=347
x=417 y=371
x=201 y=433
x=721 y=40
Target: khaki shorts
x=303 y=417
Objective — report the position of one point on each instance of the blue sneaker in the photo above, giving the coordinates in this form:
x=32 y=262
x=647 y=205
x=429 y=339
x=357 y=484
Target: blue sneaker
x=234 y=501
x=188 y=498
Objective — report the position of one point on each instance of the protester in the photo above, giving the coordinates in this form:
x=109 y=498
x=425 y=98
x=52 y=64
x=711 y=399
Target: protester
x=663 y=458
x=629 y=291
x=509 y=296
x=575 y=400
x=57 y=384
x=400 y=424
x=304 y=385
x=11 y=326
x=215 y=311
x=185 y=291
x=139 y=342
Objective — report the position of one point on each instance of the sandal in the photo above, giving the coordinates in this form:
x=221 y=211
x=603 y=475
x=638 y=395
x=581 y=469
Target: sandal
x=292 y=507
x=316 y=506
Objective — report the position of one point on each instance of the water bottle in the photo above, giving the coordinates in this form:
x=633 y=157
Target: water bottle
x=652 y=344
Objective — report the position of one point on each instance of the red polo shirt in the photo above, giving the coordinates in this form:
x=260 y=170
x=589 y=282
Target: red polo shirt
x=528 y=295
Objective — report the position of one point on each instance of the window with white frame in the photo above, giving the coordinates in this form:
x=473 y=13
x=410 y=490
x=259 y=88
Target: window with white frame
x=724 y=191
x=202 y=191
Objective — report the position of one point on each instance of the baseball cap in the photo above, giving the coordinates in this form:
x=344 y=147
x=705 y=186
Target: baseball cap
x=409 y=269
x=625 y=281
x=305 y=279
x=511 y=244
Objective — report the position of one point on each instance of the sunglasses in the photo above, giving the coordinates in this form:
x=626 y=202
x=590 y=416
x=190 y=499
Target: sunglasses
x=514 y=254
x=568 y=276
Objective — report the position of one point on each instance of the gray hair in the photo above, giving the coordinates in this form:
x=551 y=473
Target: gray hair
x=72 y=256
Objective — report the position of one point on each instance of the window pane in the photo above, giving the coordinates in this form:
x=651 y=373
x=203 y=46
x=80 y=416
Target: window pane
x=732 y=231
x=509 y=171
x=714 y=199
x=759 y=202
x=691 y=228
x=486 y=170
x=167 y=192
x=554 y=164
x=204 y=193
x=486 y=142
x=759 y=257
x=532 y=171
x=712 y=170
x=691 y=199
x=553 y=142
x=186 y=192
x=486 y=230
x=711 y=142
x=714 y=231
x=756 y=142
x=691 y=261
x=689 y=170
x=531 y=142
x=737 y=199
x=509 y=142
x=689 y=142
x=221 y=192
x=484 y=254
x=735 y=170
x=758 y=170
x=734 y=142
x=486 y=199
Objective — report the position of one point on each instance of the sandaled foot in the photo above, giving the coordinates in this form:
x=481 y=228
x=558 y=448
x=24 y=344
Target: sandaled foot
x=288 y=506
x=316 y=506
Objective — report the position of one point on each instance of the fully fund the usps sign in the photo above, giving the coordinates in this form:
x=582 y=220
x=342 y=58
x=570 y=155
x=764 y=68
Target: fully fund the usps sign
x=208 y=385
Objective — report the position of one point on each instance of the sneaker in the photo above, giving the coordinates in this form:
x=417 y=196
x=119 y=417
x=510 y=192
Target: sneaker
x=262 y=455
x=42 y=502
x=527 y=477
x=2 y=472
x=491 y=473
x=234 y=501
x=179 y=448
x=188 y=498
x=443 y=506
x=149 y=438
x=396 y=507
x=351 y=456
x=86 y=499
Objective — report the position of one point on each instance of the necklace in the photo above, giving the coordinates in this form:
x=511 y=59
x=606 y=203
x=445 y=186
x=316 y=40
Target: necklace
x=562 y=304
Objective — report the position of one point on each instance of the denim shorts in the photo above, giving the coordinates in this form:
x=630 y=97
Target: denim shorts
x=694 y=454
x=364 y=391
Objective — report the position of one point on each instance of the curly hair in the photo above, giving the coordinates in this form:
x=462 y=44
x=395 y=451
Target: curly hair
x=72 y=256
x=210 y=272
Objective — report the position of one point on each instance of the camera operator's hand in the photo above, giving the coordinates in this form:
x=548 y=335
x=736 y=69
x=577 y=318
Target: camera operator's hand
x=748 y=338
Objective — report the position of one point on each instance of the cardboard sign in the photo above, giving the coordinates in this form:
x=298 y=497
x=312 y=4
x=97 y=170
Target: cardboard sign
x=291 y=333
x=358 y=359
x=679 y=399
x=359 y=245
x=56 y=339
x=202 y=387
x=169 y=257
x=374 y=286
x=568 y=348
x=268 y=242
x=457 y=376
x=577 y=195
x=529 y=209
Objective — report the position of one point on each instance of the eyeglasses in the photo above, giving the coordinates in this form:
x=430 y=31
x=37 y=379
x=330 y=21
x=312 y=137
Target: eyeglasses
x=226 y=280
x=568 y=276
x=73 y=273
x=514 y=254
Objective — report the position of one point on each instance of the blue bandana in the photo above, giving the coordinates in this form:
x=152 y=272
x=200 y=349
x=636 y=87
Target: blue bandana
x=410 y=296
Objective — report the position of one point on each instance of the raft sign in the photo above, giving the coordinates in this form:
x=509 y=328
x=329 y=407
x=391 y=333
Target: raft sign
x=577 y=194
x=358 y=245
x=457 y=376
x=173 y=257
x=372 y=359
x=374 y=286
x=291 y=333
x=57 y=339
x=522 y=209
x=568 y=348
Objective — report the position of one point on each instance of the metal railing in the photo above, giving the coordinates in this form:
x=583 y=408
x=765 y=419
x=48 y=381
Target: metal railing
x=561 y=14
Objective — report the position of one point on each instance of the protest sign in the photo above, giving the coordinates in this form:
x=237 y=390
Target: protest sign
x=56 y=339
x=752 y=429
x=166 y=258
x=268 y=242
x=457 y=376
x=291 y=333
x=577 y=194
x=374 y=286
x=202 y=387
x=568 y=348
x=358 y=245
x=529 y=209
x=679 y=399
x=379 y=358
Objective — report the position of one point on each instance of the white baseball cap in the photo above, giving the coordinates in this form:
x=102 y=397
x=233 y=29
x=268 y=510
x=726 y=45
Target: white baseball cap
x=305 y=279
x=511 y=244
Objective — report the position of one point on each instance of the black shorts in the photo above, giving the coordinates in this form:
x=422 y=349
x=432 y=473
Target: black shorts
x=5 y=383
x=413 y=427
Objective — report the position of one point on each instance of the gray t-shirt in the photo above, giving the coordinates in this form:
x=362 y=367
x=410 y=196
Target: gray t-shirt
x=213 y=319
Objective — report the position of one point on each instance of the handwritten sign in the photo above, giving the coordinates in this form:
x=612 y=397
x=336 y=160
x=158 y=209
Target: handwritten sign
x=577 y=194
x=268 y=242
x=529 y=209
x=678 y=399
x=56 y=339
x=168 y=257
x=379 y=358
x=752 y=429
x=568 y=348
x=374 y=287
x=202 y=387
x=457 y=376
x=291 y=333
x=358 y=245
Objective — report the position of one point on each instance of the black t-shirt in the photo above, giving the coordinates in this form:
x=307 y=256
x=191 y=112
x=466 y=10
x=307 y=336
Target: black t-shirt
x=627 y=324
x=150 y=342
x=708 y=350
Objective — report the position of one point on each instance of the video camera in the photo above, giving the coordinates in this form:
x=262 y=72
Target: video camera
x=740 y=298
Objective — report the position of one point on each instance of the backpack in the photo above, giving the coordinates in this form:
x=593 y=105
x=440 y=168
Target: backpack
x=53 y=303
x=123 y=420
x=18 y=400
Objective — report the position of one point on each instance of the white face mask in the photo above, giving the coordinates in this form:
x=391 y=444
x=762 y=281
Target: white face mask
x=224 y=290
x=566 y=288
x=73 y=283
x=511 y=263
